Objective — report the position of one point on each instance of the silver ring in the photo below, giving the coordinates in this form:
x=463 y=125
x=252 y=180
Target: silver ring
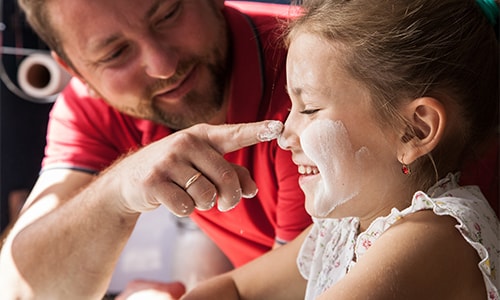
x=192 y=180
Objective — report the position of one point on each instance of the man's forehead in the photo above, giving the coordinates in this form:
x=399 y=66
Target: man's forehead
x=96 y=23
x=85 y=12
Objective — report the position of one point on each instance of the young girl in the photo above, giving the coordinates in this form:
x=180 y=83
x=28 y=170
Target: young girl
x=388 y=98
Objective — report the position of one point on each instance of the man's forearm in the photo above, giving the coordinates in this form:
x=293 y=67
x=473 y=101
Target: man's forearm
x=70 y=252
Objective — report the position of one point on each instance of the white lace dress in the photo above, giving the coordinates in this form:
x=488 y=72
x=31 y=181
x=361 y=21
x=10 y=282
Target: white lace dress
x=332 y=245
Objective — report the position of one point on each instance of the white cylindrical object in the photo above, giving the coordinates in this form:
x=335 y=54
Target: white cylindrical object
x=40 y=76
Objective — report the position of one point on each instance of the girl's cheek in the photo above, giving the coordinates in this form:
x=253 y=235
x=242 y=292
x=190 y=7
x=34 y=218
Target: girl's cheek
x=328 y=145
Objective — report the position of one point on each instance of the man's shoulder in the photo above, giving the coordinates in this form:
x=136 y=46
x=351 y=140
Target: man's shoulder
x=263 y=8
x=76 y=99
x=267 y=21
x=76 y=93
x=75 y=104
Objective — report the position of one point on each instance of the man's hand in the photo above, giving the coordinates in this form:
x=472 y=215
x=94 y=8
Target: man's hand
x=187 y=170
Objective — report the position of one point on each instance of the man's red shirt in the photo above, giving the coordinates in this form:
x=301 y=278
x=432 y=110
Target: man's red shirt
x=87 y=134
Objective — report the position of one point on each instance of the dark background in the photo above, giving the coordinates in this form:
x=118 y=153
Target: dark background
x=22 y=122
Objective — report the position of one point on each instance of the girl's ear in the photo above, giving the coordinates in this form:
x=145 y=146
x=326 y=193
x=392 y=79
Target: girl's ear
x=427 y=117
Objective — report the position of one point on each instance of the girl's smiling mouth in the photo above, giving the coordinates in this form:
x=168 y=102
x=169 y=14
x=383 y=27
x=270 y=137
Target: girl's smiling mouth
x=308 y=170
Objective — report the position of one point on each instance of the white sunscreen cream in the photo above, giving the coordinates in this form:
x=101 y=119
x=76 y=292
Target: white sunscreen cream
x=271 y=132
x=327 y=144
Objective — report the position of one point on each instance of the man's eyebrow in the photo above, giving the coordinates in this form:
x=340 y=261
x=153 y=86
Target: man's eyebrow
x=111 y=39
x=102 y=43
x=152 y=10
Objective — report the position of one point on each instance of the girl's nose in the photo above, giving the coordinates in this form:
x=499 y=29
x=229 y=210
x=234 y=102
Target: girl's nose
x=282 y=142
x=288 y=138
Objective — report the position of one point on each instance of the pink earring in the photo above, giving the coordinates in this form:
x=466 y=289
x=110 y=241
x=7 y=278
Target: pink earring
x=405 y=168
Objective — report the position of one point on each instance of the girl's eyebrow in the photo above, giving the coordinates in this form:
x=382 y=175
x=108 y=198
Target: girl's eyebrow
x=296 y=90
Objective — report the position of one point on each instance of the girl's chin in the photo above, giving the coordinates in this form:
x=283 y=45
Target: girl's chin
x=308 y=182
x=320 y=208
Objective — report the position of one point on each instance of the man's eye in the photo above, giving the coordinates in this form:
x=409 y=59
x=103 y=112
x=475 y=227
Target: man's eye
x=113 y=55
x=309 y=111
x=170 y=13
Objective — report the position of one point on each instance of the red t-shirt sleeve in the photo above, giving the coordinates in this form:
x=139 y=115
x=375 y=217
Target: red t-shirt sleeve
x=75 y=138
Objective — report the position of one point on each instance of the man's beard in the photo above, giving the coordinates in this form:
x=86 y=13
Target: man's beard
x=198 y=106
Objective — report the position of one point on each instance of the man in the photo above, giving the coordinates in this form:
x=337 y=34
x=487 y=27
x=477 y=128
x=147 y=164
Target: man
x=144 y=71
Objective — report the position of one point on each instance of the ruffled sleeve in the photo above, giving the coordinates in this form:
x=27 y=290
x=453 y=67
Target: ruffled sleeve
x=327 y=253
x=477 y=223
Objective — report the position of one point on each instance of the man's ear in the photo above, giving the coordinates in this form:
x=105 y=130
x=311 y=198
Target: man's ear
x=74 y=73
x=427 y=122
x=63 y=64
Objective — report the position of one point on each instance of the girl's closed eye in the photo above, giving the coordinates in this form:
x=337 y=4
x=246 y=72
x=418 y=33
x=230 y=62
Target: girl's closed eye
x=309 y=111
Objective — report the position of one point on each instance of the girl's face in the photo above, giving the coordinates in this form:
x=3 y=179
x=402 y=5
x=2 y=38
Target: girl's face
x=339 y=148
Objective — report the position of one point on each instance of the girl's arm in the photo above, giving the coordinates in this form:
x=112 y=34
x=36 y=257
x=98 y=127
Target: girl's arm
x=272 y=276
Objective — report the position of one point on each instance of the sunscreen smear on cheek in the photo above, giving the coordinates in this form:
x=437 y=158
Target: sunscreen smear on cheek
x=327 y=144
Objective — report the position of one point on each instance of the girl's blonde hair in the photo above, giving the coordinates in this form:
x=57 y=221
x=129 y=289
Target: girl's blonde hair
x=405 y=49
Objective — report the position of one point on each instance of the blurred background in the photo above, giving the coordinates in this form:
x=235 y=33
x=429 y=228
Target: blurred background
x=23 y=118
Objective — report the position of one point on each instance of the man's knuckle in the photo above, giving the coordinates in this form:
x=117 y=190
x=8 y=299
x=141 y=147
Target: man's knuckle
x=228 y=175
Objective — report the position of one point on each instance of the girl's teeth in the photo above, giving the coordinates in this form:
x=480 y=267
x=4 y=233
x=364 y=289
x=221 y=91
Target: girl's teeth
x=307 y=170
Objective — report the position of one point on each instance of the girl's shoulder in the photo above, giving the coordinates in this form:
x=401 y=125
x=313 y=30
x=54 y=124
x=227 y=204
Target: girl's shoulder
x=449 y=234
x=422 y=256
x=471 y=213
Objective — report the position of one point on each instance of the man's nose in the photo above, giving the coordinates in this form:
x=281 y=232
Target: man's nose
x=159 y=61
